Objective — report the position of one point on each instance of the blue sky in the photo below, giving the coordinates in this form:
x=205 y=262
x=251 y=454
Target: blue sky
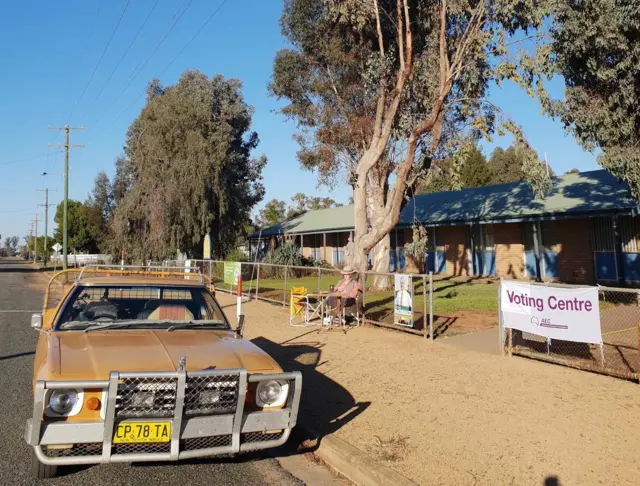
x=50 y=49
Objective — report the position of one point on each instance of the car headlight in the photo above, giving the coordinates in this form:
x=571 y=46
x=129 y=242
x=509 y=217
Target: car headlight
x=271 y=393
x=63 y=402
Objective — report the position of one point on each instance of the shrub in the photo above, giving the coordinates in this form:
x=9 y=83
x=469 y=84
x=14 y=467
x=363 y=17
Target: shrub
x=289 y=255
x=236 y=256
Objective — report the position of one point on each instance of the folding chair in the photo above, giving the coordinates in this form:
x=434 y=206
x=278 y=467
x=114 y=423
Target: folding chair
x=305 y=306
x=353 y=313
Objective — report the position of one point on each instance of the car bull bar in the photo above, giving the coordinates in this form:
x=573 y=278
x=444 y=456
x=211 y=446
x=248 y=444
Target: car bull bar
x=206 y=410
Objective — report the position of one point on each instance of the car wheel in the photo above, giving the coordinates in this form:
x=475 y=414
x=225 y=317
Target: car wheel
x=41 y=471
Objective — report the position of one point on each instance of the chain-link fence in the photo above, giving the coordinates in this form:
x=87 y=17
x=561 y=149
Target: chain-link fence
x=274 y=283
x=618 y=355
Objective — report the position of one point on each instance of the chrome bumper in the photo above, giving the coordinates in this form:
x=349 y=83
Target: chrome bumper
x=196 y=436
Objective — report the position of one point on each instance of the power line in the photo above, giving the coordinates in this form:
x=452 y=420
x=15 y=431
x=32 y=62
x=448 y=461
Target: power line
x=27 y=158
x=194 y=37
x=115 y=29
x=171 y=63
x=135 y=37
x=136 y=74
x=84 y=50
x=17 y=211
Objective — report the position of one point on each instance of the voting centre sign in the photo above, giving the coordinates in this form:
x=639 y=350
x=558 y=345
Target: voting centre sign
x=569 y=314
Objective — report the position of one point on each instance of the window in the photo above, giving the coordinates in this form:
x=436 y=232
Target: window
x=142 y=307
x=431 y=238
x=439 y=239
x=315 y=244
x=483 y=238
x=549 y=238
x=629 y=234
x=602 y=235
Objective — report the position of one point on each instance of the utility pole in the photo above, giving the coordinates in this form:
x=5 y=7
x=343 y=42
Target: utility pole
x=31 y=241
x=35 y=242
x=66 y=146
x=46 y=222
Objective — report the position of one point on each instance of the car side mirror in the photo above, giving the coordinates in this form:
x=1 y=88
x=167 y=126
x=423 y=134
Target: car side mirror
x=36 y=321
x=240 y=326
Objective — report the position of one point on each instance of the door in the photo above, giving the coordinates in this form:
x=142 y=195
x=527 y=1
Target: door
x=484 y=252
x=436 y=261
x=549 y=249
x=547 y=246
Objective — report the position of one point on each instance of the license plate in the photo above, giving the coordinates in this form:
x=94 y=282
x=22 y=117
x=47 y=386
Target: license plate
x=131 y=432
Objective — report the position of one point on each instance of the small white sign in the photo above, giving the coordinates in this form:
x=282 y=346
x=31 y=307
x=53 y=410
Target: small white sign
x=403 y=300
x=556 y=313
x=57 y=247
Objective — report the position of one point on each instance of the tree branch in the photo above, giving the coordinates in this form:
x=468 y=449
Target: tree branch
x=400 y=34
x=380 y=38
x=409 y=38
x=469 y=32
x=444 y=57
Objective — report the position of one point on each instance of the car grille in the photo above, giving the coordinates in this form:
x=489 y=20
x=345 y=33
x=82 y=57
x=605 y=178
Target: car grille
x=141 y=448
x=260 y=437
x=146 y=397
x=88 y=449
x=211 y=394
x=205 y=442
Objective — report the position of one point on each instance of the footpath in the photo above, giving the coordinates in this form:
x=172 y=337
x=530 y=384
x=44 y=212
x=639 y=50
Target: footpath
x=435 y=413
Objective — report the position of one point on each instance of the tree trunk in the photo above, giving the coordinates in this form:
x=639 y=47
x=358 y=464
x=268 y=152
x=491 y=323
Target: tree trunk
x=380 y=259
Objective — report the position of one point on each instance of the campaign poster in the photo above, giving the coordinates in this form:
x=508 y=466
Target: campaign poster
x=403 y=301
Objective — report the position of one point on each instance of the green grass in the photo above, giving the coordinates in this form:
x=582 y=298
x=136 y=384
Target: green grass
x=451 y=295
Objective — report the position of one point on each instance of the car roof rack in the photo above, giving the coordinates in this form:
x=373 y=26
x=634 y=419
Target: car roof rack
x=183 y=271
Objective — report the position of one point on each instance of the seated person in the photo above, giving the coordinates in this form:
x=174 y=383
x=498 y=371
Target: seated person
x=348 y=285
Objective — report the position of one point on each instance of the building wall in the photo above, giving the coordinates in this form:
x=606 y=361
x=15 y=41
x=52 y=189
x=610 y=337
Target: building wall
x=575 y=256
x=509 y=250
x=334 y=240
x=412 y=265
x=455 y=243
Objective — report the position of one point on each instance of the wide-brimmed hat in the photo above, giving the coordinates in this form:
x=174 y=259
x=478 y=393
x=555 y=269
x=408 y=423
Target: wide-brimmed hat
x=347 y=270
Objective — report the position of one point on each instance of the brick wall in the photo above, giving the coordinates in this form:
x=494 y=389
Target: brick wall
x=455 y=244
x=509 y=250
x=575 y=257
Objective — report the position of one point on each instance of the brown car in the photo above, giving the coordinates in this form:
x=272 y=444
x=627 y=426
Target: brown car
x=138 y=365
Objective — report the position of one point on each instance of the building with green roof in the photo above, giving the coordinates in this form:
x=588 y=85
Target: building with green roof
x=585 y=229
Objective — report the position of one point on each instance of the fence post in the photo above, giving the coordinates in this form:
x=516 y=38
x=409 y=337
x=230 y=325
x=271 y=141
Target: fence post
x=424 y=307
x=318 y=279
x=431 y=305
x=284 y=297
x=500 y=323
x=364 y=299
x=257 y=279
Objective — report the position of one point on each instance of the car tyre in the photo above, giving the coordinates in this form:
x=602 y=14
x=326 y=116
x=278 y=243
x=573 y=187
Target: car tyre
x=41 y=471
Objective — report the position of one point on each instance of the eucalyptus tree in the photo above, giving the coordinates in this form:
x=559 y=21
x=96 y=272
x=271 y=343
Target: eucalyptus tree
x=381 y=89
x=596 y=45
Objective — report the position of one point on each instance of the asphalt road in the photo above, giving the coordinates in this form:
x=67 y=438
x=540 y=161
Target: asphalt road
x=19 y=296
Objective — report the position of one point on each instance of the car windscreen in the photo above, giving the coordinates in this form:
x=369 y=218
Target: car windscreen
x=141 y=307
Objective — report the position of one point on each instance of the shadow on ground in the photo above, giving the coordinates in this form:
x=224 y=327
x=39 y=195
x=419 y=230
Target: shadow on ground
x=12 y=266
x=325 y=405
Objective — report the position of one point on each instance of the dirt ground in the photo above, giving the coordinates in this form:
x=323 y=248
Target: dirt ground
x=442 y=415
